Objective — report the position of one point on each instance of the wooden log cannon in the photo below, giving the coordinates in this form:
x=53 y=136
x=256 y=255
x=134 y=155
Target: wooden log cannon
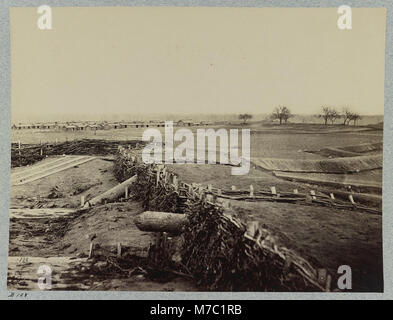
x=112 y=194
x=155 y=221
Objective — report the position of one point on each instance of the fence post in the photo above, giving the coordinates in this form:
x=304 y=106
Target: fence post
x=91 y=250
x=251 y=190
x=328 y=282
x=158 y=176
x=164 y=174
x=175 y=182
x=119 y=250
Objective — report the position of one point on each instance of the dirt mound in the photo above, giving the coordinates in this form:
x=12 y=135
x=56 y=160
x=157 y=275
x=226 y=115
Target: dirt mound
x=108 y=225
x=351 y=151
x=364 y=148
x=105 y=225
x=65 y=188
x=337 y=165
x=335 y=153
x=64 y=244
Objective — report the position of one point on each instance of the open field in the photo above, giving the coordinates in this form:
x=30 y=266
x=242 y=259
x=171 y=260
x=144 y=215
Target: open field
x=327 y=236
x=270 y=141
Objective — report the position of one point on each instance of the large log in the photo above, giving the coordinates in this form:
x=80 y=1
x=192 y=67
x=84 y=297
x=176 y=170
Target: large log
x=112 y=194
x=161 y=221
x=40 y=213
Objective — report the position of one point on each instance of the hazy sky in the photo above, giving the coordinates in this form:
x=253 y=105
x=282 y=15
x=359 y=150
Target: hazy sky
x=209 y=60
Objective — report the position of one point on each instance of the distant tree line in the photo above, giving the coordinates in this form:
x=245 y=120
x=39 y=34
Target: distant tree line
x=329 y=115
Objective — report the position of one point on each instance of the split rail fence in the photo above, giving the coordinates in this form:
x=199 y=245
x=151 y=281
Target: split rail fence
x=220 y=250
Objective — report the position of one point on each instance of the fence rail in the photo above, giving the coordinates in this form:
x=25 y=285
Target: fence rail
x=221 y=251
x=24 y=154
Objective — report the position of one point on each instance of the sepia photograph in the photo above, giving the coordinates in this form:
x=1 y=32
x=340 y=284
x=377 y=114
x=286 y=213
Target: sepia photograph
x=196 y=149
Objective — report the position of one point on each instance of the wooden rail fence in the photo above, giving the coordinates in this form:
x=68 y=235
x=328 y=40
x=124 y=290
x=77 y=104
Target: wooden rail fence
x=254 y=243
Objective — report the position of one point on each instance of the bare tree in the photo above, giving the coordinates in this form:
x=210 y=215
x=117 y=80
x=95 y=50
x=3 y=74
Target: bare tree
x=281 y=113
x=329 y=114
x=245 y=117
x=346 y=115
x=325 y=114
x=287 y=114
x=354 y=117
x=334 y=115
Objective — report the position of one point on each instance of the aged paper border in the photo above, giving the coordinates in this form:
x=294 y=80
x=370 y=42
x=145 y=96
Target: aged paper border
x=5 y=90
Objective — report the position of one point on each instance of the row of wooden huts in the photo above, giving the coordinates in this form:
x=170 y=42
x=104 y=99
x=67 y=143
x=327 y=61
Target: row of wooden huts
x=76 y=126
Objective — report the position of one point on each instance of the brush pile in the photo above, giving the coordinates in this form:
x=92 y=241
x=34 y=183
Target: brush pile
x=219 y=251
x=31 y=153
